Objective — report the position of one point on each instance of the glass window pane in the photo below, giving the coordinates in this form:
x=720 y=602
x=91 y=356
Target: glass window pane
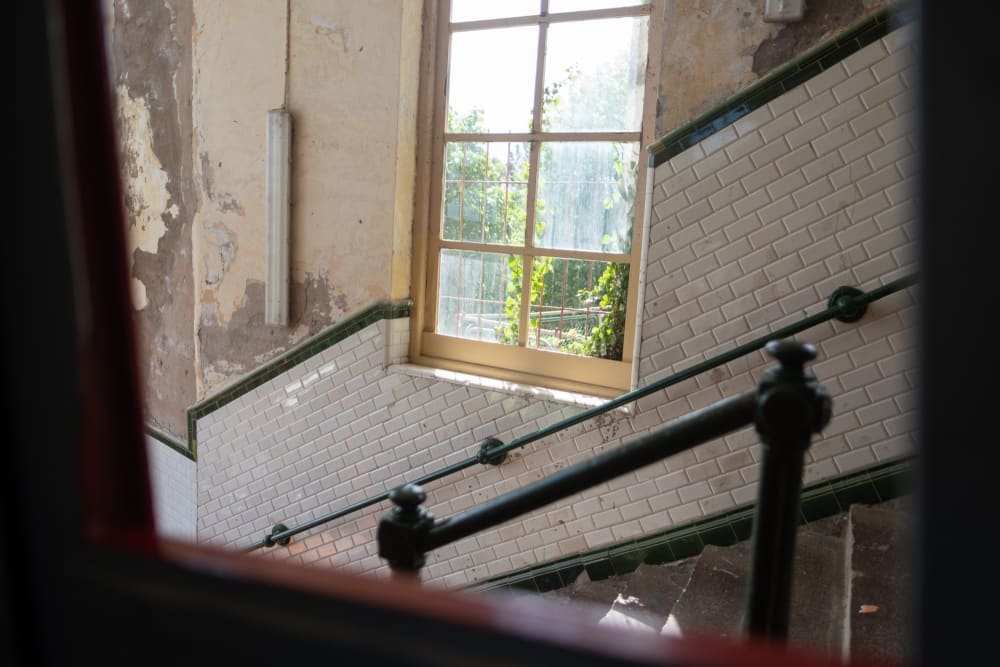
x=558 y=6
x=586 y=196
x=594 y=76
x=474 y=296
x=476 y=10
x=491 y=80
x=485 y=192
x=578 y=306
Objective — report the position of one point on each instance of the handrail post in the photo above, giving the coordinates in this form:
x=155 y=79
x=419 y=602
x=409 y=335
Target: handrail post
x=791 y=406
x=402 y=532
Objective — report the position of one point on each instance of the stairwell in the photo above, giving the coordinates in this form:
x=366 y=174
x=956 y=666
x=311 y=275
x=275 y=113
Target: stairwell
x=849 y=591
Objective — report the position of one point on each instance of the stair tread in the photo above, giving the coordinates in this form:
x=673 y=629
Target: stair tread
x=880 y=582
x=659 y=586
x=706 y=594
x=818 y=594
x=590 y=599
x=715 y=598
x=712 y=602
x=649 y=594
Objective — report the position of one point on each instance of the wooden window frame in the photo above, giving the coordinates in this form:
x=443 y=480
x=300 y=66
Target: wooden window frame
x=519 y=364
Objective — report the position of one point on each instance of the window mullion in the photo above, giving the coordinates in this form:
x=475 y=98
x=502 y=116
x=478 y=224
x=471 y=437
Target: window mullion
x=529 y=244
x=545 y=18
x=557 y=253
x=501 y=137
x=527 y=262
x=461 y=191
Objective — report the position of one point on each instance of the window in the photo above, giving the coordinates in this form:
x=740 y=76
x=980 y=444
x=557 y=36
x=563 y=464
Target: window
x=528 y=259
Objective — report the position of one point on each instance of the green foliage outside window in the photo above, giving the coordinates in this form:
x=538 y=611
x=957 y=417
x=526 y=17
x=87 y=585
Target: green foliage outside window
x=486 y=200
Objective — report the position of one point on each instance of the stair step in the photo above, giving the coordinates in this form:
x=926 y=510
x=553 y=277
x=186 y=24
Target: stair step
x=819 y=589
x=649 y=594
x=880 y=583
x=591 y=599
x=835 y=612
x=712 y=603
x=716 y=594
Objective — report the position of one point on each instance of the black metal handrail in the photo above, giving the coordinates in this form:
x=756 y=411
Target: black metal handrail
x=847 y=304
x=693 y=429
x=787 y=408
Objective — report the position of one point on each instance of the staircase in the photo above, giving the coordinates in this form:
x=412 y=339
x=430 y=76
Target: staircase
x=849 y=590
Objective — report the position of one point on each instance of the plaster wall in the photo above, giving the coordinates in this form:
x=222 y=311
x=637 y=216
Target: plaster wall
x=751 y=229
x=195 y=79
x=346 y=72
x=714 y=49
x=150 y=60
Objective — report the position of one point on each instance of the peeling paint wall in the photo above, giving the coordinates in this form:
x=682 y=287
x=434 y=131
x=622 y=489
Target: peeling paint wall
x=239 y=63
x=713 y=49
x=150 y=51
x=341 y=70
x=195 y=79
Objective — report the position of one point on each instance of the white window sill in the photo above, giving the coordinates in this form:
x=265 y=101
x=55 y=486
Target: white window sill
x=515 y=389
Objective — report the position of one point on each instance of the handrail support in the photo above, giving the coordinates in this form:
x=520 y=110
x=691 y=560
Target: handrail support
x=791 y=406
x=402 y=533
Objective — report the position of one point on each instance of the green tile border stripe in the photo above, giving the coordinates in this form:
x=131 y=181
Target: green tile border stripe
x=878 y=483
x=780 y=81
x=380 y=310
x=168 y=440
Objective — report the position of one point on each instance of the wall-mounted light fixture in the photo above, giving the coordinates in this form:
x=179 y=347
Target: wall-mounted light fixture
x=784 y=11
x=278 y=185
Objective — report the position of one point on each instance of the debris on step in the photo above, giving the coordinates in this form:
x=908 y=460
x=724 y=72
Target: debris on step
x=629 y=612
x=642 y=598
x=649 y=594
x=590 y=599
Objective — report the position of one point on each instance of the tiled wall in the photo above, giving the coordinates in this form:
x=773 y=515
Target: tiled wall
x=173 y=479
x=752 y=229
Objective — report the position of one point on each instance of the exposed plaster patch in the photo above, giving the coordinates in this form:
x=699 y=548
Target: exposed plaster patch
x=340 y=301
x=222 y=243
x=243 y=342
x=712 y=50
x=707 y=56
x=146 y=196
x=224 y=201
x=822 y=20
x=166 y=376
x=327 y=28
x=139 y=300
x=173 y=84
x=150 y=50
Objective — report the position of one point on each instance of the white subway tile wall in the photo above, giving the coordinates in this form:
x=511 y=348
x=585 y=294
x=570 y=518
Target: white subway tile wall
x=752 y=229
x=172 y=477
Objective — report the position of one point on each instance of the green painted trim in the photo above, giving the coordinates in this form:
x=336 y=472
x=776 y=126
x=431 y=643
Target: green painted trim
x=780 y=81
x=875 y=484
x=168 y=440
x=380 y=310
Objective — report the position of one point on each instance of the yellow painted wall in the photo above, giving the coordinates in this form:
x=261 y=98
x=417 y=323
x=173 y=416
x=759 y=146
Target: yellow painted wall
x=346 y=71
